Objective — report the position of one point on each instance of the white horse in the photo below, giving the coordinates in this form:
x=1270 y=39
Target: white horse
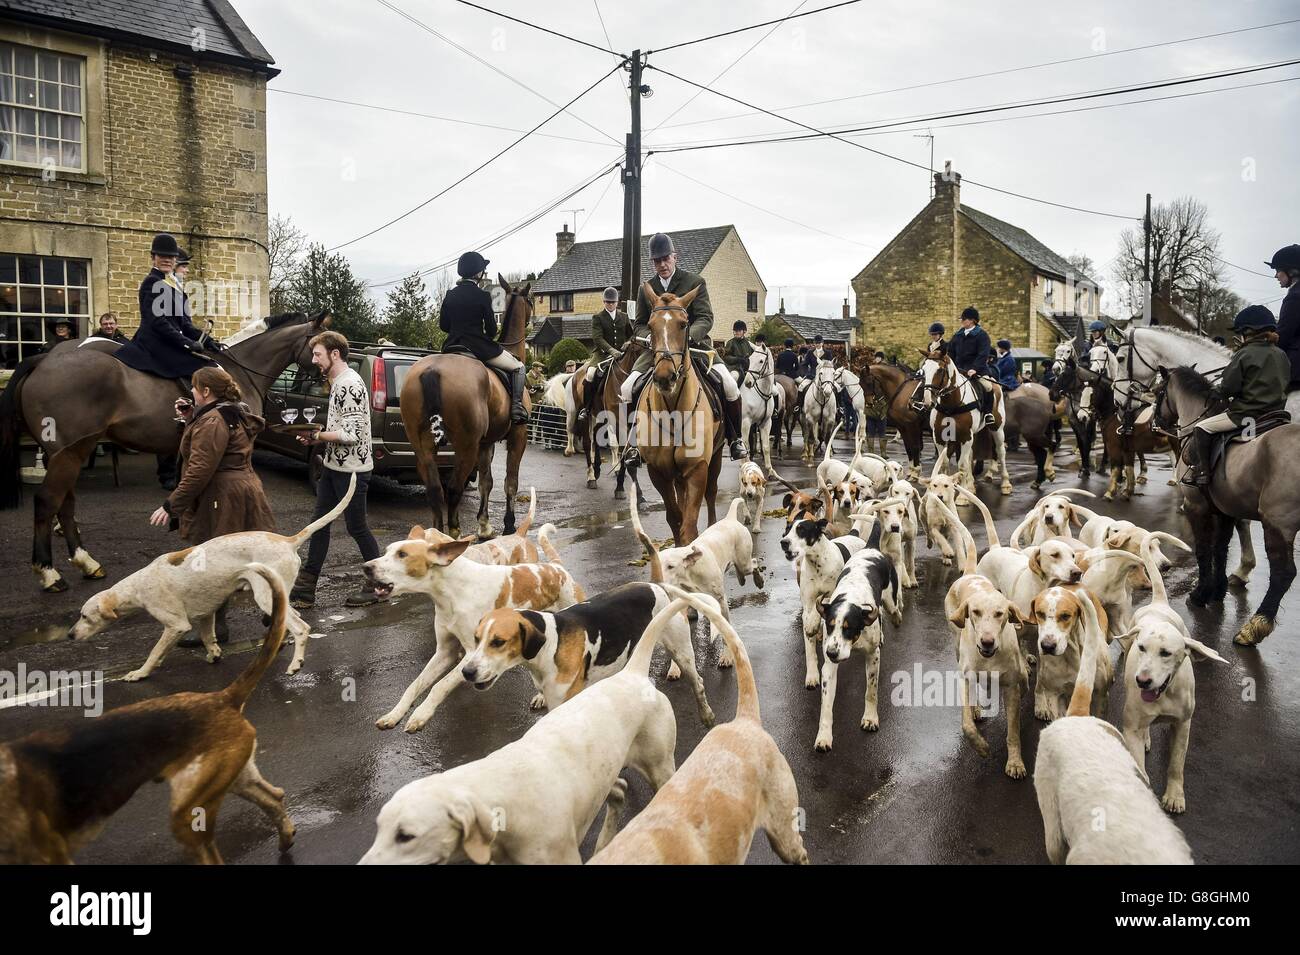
x=818 y=410
x=558 y=393
x=848 y=382
x=931 y=395
x=758 y=400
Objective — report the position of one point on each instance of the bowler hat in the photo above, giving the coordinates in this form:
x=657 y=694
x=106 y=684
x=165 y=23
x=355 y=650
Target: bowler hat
x=164 y=243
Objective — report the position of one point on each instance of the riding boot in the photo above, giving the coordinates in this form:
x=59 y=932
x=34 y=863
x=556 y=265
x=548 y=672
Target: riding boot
x=303 y=594
x=731 y=425
x=518 y=414
x=1198 y=475
x=986 y=405
x=590 y=394
x=168 y=466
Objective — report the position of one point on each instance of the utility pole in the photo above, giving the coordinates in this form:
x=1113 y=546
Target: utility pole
x=1146 y=263
x=632 y=190
x=929 y=134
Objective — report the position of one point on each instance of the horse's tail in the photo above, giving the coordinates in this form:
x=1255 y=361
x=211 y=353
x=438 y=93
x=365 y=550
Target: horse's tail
x=11 y=429
x=431 y=400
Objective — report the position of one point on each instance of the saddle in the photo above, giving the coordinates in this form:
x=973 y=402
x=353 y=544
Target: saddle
x=502 y=376
x=1263 y=424
x=701 y=362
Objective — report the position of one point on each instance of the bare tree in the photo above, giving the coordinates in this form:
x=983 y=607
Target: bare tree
x=1184 y=252
x=286 y=245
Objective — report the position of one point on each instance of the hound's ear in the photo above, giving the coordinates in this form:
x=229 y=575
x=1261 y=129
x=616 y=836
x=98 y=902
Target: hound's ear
x=475 y=824
x=689 y=297
x=821 y=524
x=958 y=619
x=1015 y=616
x=1125 y=640
x=108 y=605
x=532 y=633
x=692 y=556
x=1035 y=563
x=787 y=501
x=1201 y=651
x=446 y=552
x=1035 y=609
x=417 y=533
x=1075 y=519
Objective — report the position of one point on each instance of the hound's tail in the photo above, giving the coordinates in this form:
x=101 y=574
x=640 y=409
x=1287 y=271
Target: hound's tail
x=969 y=560
x=327 y=519
x=830 y=442
x=239 y=691
x=651 y=551
x=544 y=542
x=746 y=690
x=989 y=529
x=1158 y=593
x=1081 y=699
x=522 y=529
x=737 y=505
x=11 y=429
x=773 y=476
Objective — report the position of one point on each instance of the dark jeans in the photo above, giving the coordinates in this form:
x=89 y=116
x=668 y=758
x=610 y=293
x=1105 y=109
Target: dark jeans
x=876 y=427
x=329 y=491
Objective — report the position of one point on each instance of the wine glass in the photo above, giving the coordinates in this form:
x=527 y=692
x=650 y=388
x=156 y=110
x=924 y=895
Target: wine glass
x=289 y=415
x=309 y=413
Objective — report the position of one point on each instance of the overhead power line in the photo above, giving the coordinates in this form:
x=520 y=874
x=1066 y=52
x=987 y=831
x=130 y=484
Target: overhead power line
x=925 y=119
x=480 y=166
x=754 y=26
x=563 y=36
x=885 y=155
x=1001 y=72
x=491 y=66
x=410 y=112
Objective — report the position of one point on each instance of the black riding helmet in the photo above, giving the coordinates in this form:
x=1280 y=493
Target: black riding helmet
x=739 y=326
x=1254 y=318
x=936 y=328
x=972 y=313
x=1285 y=259
x=471 y=264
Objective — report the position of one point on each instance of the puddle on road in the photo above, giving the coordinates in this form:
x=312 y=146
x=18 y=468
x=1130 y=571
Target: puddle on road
x=46 y=633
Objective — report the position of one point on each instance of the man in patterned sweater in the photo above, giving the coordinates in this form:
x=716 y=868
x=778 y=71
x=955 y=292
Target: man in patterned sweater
x=346 y=437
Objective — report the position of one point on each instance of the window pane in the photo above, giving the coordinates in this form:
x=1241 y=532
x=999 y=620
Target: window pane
x=78 y=302
x=31 y=329
x=71 y=99
x=8 y=298
x=49 y=95
x=26 y=92
x=49 y=151
x=71 y=71
x=71 y=129
x=72 y=155
x=6 y=88
x=29 y=299
x=26 y=151
x=6 y=58
x=29 y=270
x=49 y=63
x=24 y=62
x=8 y=329
x=6 y=146
x=8 y=269
x=52 y=271
x=76 y=273
x=55 y=301
x=26 y=121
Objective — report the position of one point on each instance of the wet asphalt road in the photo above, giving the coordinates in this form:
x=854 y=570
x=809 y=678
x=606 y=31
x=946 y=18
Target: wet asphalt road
x=913 y=792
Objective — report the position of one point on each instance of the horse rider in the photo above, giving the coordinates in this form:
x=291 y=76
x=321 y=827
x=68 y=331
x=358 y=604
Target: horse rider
x=1286 y=263
x=809 y=356
x=669 y=279
x=787 y=360
x=970 y=350
x=1004 y=366
x=611 y=331
x=471 y=325
x=937 y=331
x=1254 y=383
x=735 y=354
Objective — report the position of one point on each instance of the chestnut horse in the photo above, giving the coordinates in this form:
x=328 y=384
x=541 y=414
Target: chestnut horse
x=78 y=395
x=678 y=435
x=456 y=399
x=896 y=384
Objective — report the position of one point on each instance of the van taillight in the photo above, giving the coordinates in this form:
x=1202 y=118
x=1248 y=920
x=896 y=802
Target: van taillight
x=378 y=386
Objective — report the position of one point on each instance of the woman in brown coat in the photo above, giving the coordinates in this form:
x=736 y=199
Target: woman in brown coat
x=218 y=492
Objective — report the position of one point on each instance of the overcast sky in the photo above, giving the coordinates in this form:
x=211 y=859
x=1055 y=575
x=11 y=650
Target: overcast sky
x=811 y=214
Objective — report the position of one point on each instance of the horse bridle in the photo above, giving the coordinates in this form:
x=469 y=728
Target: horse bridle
x=767 y=364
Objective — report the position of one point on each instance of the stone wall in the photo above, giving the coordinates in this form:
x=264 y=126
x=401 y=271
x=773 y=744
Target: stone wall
x=181 y=151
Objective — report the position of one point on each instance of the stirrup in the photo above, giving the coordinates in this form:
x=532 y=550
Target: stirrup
x=738 y=450
x=583 y=415
x=631 y=456
x=988 y=419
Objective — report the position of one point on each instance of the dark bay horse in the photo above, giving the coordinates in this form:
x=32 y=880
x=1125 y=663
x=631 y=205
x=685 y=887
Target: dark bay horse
x=679 y=437
x=605 y=430
x=897 y=383
x=1030 y=410
x=455 y=399
x=1248 y=484
x=788 y=418
x=79 y=395
x=1121 y=450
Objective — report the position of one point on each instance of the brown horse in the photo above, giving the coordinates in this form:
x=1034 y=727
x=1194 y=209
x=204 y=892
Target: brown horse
x=679 y=437
x=605 y=426
x=79 y=395
x=897 y=385
x=788 y=419
x=1030 y=411
x=455 y=399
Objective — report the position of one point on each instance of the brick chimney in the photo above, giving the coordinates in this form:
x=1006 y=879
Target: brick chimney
x=947 y=185
x=846 y=310
x=563 y=242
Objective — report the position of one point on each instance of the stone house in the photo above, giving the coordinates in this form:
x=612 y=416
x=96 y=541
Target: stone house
x=951 y=256
x=120 y=119
x=574 y=284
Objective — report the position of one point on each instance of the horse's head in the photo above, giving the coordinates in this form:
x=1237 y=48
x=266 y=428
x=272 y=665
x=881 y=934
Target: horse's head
x=760 y=365
x=937 y=374
x=1180 y=396
x=825 y=378
x=515 y=314
x=668 y=336
x=1088 y=401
